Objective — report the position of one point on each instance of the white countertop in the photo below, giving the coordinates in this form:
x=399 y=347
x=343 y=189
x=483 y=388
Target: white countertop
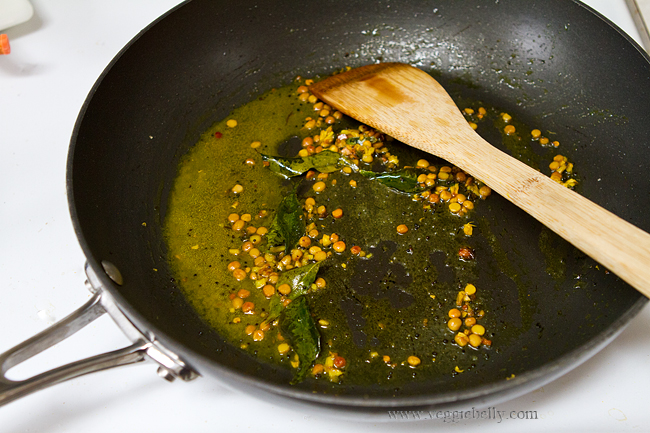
x=56 y=57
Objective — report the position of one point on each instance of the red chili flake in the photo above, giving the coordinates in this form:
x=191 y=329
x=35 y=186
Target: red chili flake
x=466 y=253
x=339 y=362
x=218 y=134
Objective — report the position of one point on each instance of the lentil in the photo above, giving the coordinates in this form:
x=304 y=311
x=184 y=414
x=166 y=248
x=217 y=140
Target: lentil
x=413 y=361
x=475 y=340
x=461 y=339
x=237 y=303
x=319 y=186
x=478 y=329
x=284 y=289
x=454 y=324
x=268 y=290
x=485 y=191
x=239 y=274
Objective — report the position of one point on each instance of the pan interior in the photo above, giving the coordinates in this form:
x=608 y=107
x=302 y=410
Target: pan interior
x=539 y=64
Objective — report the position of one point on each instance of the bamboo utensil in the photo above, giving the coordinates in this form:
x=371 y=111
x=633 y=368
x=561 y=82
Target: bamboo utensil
x=408 y=104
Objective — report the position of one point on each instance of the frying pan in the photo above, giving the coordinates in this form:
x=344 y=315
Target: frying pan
x=189 y=70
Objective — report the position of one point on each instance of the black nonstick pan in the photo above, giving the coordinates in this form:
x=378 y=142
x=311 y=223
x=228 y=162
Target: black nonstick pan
x=540 y=61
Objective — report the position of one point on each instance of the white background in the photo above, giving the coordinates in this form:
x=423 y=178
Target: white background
x=56 y=57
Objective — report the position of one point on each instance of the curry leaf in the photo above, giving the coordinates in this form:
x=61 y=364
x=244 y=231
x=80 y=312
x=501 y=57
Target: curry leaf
x=404 y=180
x=288 y=225
x=275 y=309
x=300 y=279
x=299 y=328
x=326 y=161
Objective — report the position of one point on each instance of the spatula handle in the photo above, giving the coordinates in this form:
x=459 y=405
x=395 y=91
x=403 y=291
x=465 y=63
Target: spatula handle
x=613 y=242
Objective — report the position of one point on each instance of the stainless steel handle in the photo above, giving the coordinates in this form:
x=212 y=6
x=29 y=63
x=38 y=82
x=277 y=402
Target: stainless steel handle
x=639 y=19
x=11 y=390
x=145 y=345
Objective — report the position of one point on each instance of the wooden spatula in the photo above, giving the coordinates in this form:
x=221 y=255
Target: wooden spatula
x=411 y=106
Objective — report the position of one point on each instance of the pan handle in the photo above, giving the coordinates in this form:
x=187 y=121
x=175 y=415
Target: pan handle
x=145 y=345
x=11 y=390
